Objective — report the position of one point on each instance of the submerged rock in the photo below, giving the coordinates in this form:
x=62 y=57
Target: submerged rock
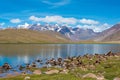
x=9 y=75
x=16 y=73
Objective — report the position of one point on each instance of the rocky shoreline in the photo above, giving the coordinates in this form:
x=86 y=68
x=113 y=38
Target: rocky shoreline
x=87 y=63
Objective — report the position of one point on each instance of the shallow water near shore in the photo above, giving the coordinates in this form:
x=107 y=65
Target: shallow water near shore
x=22 y=54
x=18 y=54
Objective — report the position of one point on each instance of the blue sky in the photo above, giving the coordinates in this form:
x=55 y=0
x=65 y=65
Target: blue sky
x=94 y=14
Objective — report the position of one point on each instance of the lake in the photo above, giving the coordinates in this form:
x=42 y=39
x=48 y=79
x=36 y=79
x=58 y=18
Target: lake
x=19 y=54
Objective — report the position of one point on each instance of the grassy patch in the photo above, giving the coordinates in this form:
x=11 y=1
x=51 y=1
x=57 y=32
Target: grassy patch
x=109 y=68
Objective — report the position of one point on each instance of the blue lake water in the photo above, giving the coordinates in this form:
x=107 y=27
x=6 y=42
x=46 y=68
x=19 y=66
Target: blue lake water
x=18 y=54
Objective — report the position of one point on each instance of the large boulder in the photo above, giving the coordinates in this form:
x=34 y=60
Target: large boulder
x=52 y=72
x=37 y=72
x=91 y=75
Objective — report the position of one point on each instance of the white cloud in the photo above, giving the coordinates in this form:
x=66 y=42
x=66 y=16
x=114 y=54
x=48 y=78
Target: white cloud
x=96 y=28
x=15 y=20
x=24 y=26
x=63 y=20
x=34 y=18
x=82 y=23
x=88 y=21
x=1 y=24
x=54 y=19
x=56 y=4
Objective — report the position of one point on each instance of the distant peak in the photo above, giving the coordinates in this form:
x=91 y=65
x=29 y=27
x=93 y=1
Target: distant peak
x=56 y=25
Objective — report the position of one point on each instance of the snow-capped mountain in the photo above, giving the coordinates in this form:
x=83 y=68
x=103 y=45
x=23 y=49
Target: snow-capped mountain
x=72 y=33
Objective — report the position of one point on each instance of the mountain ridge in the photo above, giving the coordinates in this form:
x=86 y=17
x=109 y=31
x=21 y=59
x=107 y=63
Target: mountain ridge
x=64 y=33
x=73 y=33
x=111 y=34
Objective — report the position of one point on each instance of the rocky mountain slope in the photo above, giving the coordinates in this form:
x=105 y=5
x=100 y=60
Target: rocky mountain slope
x=111 y=34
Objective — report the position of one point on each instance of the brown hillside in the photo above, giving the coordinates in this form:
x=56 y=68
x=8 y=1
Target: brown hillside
x=29 y=36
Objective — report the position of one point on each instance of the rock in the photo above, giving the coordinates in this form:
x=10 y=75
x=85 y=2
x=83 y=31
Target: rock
x=34 y=65
x=6 y=66
x=16 y=73
x=90 y=75
x=52 y=72
x=100 y=78
x=64 y=71
x=66 y=60
x=110 y=53
x=83 y=69
x=92 y=67
x=117 y=78
x=27 y=78
x=24 y=73
x=37 y=72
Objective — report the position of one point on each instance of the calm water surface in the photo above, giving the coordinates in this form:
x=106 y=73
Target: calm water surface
x=18 y=54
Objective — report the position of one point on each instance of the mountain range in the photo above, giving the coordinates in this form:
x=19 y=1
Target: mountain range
x=80 y=34
x=75 y=34
x=55 y=33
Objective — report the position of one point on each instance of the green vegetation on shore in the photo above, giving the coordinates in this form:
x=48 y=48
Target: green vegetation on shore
x=104 y=67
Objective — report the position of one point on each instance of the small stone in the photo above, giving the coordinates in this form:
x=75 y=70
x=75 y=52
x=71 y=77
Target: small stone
x=100 y=78
x=27 y=78
x=24 y=73
x=64 y=71
x=83 y=69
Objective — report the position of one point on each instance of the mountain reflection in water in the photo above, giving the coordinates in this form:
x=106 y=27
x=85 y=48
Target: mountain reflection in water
x=18 y=54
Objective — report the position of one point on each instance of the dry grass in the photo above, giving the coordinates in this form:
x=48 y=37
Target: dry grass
x=29 y=36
